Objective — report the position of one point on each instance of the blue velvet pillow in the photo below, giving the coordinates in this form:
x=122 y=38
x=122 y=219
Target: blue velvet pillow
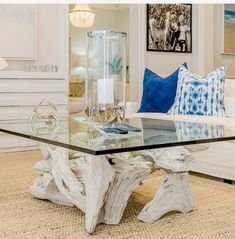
x=158 y=93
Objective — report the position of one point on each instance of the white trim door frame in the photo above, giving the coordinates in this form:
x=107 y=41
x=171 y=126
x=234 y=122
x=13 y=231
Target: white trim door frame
x=137 y=49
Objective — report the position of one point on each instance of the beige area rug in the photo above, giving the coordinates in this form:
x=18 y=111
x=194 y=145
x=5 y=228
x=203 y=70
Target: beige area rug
x=22 y=216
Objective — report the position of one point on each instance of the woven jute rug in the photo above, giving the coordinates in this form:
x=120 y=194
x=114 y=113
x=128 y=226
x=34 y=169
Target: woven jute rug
x=22 y=216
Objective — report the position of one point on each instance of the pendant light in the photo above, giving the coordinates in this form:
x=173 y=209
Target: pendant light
x=82 y=16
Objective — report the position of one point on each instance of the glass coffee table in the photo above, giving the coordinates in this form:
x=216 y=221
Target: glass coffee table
x=98 y=174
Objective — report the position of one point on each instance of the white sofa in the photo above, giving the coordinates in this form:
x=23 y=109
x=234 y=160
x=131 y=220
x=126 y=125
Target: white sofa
x=215 y=159
x=76 y=105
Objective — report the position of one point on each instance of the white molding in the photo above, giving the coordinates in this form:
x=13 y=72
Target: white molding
x=67 y=39
x=222 y=28
x=142 y=51
x=138 y=39
x=200 y=39
x=137 y=51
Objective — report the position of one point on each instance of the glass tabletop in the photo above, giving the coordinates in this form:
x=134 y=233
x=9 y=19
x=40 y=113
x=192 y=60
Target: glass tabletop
x=72 y=133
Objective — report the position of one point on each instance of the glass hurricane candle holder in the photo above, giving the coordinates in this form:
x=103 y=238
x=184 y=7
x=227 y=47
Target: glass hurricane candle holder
x=106 y=76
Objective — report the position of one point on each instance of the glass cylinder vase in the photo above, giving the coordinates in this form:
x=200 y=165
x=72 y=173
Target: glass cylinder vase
x=106 y=76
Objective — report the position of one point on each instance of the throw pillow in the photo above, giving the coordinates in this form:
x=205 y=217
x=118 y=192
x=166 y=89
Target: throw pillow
x=200 y=96
x=187 y=131
x=158 y=93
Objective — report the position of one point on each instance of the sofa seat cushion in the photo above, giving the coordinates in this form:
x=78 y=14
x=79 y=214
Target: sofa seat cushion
x=229 y=102
x=188 y=118
x=76 y=105
x=217 y=161
x=184 y=135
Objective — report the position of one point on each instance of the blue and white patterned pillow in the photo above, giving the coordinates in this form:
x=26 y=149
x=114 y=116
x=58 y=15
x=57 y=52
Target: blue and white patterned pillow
x=187 y=131
x=200 y=96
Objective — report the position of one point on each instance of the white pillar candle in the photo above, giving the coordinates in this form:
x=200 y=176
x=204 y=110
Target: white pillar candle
x=105 y=91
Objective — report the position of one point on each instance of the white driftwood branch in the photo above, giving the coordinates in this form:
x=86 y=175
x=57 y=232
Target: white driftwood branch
x=80 y=181
x=174 y=193
x=65 y=179
x=129 y=174
x=101 y=185
x=175 y=159
x=44 y=187
x=99 y=178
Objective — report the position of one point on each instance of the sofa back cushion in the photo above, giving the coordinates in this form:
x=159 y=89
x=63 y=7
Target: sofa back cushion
x=229 y=102
x=229 y=88
x=158 y=93
x=200 y=96
x=229 y=97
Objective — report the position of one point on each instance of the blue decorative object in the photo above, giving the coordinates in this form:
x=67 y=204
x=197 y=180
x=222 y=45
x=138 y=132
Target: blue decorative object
x=158 y=93
x=118 y=128
x=127 y=127
x=200 y=96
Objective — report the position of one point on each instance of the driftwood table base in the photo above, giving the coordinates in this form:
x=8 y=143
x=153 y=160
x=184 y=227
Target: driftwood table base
x=100 y=186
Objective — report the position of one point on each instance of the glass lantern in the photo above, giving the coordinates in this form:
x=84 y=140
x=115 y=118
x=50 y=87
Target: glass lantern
x=106 y=77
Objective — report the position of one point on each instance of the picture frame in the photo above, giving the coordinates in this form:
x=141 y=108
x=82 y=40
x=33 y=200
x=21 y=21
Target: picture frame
x=18 y=34
x=169 y=28
x=227 y=29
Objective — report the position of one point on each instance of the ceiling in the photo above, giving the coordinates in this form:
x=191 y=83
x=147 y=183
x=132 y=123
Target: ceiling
x=114 y=7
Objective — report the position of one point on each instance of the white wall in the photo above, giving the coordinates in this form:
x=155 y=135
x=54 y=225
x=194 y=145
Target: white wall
x=206 y=51
x=212 y=34
x=166 y=62
x=51 y=38
x=206 y=55
x=123 y=26
x=137 y=50
x=207 y=38
x=163 y=63
x=105 y=19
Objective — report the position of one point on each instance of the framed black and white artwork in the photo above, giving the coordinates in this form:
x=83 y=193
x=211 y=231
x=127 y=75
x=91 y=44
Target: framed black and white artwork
x=18 y=24
x=228 y=28
x=169 y=27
